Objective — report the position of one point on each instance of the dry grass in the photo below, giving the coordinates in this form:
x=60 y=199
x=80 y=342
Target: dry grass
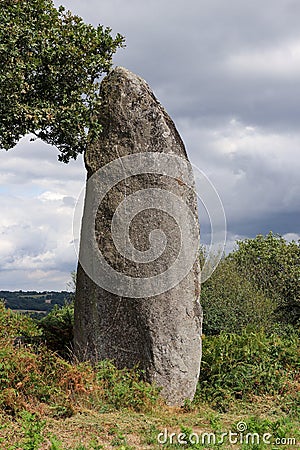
x=126 y=429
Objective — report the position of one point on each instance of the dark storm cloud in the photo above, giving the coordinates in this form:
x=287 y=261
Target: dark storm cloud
x=189 y=53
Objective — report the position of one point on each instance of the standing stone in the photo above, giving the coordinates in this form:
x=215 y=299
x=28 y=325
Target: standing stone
x=158 y=332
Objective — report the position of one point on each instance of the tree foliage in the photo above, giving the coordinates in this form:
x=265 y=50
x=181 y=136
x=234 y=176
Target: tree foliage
x=50 y=64
x=230 y=302
x=57 y=329
x=273 y=265
x=256 y=285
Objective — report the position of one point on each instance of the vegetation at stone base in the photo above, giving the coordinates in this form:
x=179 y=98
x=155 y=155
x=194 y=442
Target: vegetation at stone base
x=250 y=373
x=258 y=284
x=50 y=64
x=248 y=365
x=44 y=398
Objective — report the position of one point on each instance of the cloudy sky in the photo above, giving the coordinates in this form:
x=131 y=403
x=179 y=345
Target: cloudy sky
x=228 y=73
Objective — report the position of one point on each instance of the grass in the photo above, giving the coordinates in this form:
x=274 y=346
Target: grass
x=248 y=380
x=250 y=364
x=127 y=429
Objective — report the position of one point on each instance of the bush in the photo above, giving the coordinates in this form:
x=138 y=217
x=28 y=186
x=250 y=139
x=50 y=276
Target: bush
x=240 y=366
x=230 y=302
x=14 y=324
x=41 y=381
x=273 y=265
x=125 y=388
x=57 y=329
x=44 y=382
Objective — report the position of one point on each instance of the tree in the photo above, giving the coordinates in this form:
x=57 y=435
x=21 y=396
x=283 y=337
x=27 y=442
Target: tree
x=273 y=265
x=50 y=64
x=231 y=302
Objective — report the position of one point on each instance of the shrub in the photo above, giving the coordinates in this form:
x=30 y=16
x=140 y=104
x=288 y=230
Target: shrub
x=125 y=388
x=238 y=366
x=16 y=324
x=273 y=265
x=57 y=329
x=37 y=379
x=230 y=302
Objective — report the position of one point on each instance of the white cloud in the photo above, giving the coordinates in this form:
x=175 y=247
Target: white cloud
x=37 y=200
x=49 y=196
x=273 y=62
x=289 y=237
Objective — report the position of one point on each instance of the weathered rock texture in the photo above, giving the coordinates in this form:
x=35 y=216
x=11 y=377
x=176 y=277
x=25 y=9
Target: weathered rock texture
x=161 y=334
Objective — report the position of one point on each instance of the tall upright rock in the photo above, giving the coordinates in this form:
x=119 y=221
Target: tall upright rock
x=138 y=278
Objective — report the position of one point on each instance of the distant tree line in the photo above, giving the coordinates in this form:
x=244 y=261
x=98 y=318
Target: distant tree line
x=35 y=301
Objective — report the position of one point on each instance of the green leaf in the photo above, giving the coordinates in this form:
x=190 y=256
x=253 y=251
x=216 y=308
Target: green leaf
x=50 y=66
